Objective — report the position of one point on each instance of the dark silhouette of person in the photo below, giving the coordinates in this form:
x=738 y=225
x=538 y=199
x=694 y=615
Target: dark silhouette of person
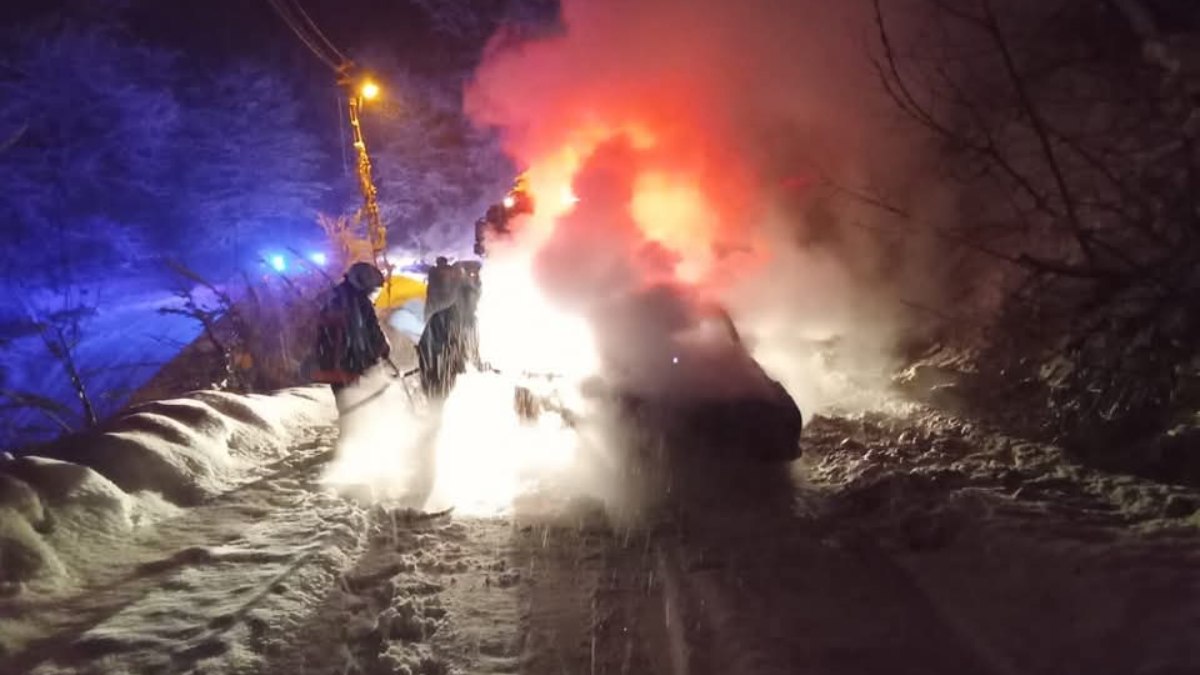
x=441 y=286
x=450 y=340
x=350 y=339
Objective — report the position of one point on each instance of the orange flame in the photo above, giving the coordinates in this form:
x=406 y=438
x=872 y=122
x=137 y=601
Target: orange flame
x=684 y=199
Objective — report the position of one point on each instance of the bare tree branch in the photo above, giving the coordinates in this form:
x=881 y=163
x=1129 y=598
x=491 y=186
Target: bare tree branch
x=52 y=409
x=992 y=25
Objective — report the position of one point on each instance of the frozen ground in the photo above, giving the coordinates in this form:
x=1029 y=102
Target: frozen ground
x=207 y=538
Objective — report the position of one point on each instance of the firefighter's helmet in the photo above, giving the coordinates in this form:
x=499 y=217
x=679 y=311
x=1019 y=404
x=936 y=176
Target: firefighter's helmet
x=365 y=277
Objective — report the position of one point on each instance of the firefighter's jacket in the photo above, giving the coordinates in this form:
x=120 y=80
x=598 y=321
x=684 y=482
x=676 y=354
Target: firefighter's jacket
x=349 y=339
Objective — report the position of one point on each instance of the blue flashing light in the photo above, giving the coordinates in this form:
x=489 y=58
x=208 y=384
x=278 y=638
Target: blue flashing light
x=279 y=263
x=319 y=258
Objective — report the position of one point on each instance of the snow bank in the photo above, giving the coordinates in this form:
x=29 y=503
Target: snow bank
x=142 y=466
x=1039 y=563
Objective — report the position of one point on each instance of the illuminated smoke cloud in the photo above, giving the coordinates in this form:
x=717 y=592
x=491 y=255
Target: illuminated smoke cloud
x=688 y=130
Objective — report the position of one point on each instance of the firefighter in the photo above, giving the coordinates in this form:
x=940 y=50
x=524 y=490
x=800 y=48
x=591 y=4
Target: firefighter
x=450 y=340
x=441 y=286
x=350 y=340
x=481 y=235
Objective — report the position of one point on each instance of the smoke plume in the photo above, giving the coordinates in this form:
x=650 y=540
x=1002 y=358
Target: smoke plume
x=676 y=152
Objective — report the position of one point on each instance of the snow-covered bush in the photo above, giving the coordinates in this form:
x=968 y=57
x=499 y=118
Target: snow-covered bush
x=255 y=336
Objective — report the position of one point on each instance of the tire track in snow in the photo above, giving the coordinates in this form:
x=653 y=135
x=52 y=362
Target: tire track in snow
x=591 y=604
x=386 y=610
x=755 y=589
x=531 y=594
x=278 y=576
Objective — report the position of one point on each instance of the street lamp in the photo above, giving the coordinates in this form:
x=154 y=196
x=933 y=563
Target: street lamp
x=358 y=90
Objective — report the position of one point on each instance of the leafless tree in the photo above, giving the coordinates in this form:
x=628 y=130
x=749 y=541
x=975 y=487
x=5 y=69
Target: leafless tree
x=61 y=332
x=224 y=308
x=261 y=332
x=1069 y=128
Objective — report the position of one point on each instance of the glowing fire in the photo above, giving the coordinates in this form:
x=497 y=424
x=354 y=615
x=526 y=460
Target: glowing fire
x=486 y=457
x=686 y=198
x=672 y=204
x=674 y=212
x=475 y=456
x=563 y=105
x=521 y=331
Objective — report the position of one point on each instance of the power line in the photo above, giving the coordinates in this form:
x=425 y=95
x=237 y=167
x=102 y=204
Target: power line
x=321 y=46
x=296 y=28
x=292 y=24
x=316 y=30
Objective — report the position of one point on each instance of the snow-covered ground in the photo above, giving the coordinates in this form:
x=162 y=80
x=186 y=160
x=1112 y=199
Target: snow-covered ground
x=218 y=533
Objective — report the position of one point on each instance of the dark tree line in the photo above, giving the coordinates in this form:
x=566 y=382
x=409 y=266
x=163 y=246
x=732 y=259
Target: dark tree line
x=119 y=156
x=436 y=172
x=119 y=152
x=122 y=153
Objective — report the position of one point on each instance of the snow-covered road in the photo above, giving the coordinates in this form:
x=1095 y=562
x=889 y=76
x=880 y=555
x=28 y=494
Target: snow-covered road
x=897 y=545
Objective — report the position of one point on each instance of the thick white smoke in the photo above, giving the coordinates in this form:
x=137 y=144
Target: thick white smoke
x=697 y=136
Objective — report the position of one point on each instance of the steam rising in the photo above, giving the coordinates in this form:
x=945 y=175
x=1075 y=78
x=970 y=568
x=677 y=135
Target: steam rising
x=472 y=453
x=676 y=153
x=693 y=134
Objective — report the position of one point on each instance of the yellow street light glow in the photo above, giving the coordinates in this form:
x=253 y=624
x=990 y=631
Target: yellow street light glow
x=370 y=90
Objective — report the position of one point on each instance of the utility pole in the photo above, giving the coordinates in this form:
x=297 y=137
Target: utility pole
x=359 y=90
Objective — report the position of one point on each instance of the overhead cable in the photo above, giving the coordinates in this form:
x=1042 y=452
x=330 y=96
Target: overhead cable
x=304 y=37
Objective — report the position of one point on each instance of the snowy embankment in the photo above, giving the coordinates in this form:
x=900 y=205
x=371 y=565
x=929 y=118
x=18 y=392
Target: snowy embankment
x=73 y=498
x=202 y=534
x=918 y=542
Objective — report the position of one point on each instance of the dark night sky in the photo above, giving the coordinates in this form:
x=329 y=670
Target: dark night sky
x=245 y=27
x=223 y=28
x=210 y=32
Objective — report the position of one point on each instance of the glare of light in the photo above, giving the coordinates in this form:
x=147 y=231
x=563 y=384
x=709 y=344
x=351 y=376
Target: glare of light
x=319 y=258
x=278 y=263
x=477 y=456
x=549 y=176
x=520 y=330
x=370 y=90
x=486 y=458
x=380 y=448
x=510 y=202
